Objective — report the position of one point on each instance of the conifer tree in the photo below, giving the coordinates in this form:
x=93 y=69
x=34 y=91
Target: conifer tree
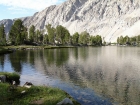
x=2 y=35
x=18 y=33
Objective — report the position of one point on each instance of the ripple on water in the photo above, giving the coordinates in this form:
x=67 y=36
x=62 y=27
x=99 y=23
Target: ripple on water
x=82 y=72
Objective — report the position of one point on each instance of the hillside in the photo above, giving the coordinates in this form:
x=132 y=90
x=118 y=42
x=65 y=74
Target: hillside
x=108 y=18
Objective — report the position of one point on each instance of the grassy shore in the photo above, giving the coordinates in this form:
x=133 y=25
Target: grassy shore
x=36 y=95
x=4 y=50
x=24 y=47
x=12 y=76
x=10 y=49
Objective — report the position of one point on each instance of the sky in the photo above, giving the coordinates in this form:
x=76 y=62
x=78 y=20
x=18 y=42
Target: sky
x=10 y=9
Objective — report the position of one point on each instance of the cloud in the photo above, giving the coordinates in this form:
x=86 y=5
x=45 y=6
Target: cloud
x=16 y=10
x=29 y=4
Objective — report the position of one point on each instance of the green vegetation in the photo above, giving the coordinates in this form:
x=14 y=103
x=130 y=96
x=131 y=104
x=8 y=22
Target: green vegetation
x=75 y=38
x=128 y=40
x=32 y=36
x=5 y=51
x=51 y=34
x=62 y=35
x=33 y=96
x=19 y=35
x=12 y=76
x=2 y=35
x=17 y=95
x=24 y=47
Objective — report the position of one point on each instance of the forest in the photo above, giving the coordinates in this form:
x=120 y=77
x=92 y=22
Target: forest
x=135 y=40
x=21 y=35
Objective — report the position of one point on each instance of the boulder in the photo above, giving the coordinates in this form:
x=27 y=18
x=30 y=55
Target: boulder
x=2 y=78
x=28 y=85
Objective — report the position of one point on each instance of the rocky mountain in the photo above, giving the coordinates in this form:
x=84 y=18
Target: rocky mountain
x=108 y=18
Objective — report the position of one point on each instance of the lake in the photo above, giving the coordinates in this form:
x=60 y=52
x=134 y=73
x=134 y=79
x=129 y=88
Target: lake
x=91 y=75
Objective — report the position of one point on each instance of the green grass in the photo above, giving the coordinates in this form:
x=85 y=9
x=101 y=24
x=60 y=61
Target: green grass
x=11 y=95
x=23 y=47
x=54 y=47
x=48 y=95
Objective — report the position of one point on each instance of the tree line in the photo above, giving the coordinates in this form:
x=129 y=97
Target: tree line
x=128 y=40
x=19 y=35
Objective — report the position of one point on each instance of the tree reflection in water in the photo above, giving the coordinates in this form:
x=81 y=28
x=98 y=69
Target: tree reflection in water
x=109 y=71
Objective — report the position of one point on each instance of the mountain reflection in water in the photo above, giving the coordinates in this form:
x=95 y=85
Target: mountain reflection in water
x=88 y=74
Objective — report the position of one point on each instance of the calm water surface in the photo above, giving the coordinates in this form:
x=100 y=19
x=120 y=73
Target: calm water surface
x=92 y=75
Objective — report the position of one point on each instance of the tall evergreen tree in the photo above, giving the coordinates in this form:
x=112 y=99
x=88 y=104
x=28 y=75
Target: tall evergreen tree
x=99 y=40
x=37 y=34
x=75 y=38
x=2 y=31
x=2 y=35
x=18 y=33
x=62 y=34
x=121 y=40
x=118 y=40
x=51 y=33
x=67 y=36
x=45 y=39
x=84 y=38
x=32 y=33
x=24 y=34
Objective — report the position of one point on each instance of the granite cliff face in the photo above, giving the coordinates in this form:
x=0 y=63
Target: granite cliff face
x=108 y=18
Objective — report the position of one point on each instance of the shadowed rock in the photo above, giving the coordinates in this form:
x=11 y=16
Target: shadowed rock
x=2 y=78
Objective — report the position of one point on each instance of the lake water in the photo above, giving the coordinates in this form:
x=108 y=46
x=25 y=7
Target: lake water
x=92 y=75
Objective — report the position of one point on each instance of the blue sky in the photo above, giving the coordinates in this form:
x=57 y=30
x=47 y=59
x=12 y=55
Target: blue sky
x=11 y=9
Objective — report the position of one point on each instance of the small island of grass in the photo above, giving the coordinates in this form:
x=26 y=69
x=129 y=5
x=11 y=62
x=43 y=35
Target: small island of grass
x=36 y=95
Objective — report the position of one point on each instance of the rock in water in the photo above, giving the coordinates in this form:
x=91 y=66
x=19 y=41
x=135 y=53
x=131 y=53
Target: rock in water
x=66 y=101
x=3 y=78
x=28 y=85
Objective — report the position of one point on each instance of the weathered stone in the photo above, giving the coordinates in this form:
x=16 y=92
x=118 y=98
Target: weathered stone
x=2 y=78
x=28 y=85
x=108 y=18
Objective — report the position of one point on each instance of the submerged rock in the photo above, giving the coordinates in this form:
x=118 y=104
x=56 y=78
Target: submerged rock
x=66 y=101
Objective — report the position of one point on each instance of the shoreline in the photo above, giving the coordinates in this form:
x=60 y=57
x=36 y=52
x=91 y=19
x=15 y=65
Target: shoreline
x=11 y=49
x=13 y=94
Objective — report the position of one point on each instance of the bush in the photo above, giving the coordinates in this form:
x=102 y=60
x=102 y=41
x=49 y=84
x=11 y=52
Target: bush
x=12 y=76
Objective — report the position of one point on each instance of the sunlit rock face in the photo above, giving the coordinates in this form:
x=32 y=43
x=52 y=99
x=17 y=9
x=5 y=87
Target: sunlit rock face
x=7 y=24
x=108 y=18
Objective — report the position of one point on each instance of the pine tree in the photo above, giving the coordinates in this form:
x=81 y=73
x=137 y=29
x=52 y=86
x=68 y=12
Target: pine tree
x=51 y=33
x=2 y=35
x=32 y=33
x=62 y=34
x=75 y=38
x=18 y=33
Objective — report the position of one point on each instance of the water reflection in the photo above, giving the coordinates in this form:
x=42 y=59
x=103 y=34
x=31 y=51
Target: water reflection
x=2 y=58
x=112 y=72
x=56 y=56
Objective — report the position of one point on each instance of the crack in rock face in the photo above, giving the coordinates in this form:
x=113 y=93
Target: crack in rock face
x=108 y=18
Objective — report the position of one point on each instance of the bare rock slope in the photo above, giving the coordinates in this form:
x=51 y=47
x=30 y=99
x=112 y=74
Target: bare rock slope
x=108 y=18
